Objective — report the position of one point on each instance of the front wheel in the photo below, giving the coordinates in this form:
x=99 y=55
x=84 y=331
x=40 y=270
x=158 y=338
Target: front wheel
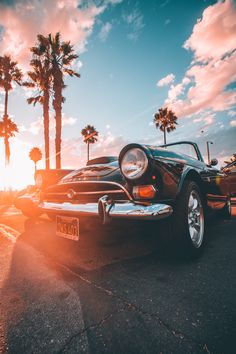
x=188 y=223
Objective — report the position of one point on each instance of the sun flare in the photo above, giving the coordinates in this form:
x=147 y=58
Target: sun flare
x=20 y=172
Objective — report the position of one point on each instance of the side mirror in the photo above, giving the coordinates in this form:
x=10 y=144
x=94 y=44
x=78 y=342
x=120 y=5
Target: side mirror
x=214 y=162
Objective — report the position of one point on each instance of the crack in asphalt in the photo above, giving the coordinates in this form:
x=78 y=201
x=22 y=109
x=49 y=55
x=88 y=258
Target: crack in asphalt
x=92 y=326
x=176 y=333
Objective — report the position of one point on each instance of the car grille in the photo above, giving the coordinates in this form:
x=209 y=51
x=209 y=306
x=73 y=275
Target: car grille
x=85 y=192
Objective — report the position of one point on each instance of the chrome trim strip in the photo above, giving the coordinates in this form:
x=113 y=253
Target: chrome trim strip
x=125 y=210
x=85 y=193
x=101 y=182
x=89 y=209
x=217 y=197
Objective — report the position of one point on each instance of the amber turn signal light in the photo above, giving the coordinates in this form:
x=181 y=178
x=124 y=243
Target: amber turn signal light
x=144 y=192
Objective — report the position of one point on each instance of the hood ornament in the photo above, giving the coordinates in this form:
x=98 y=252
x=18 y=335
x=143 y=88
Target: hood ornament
x=71 y=194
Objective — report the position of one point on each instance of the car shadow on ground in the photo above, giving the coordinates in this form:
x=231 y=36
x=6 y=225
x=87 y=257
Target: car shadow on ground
x=126 y=291
x=101 y=246
x=97 y=246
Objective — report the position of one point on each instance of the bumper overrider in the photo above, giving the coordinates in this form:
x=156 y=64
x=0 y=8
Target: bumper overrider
x=106 y=209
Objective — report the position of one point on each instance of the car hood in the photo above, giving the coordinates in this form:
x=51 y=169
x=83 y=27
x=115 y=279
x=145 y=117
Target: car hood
x=95 y=172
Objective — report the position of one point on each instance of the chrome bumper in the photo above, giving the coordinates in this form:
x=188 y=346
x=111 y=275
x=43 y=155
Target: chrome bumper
x=106 y=209
x=27 y=201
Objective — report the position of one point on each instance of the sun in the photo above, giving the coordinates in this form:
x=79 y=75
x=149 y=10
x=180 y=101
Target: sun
x=20 y=172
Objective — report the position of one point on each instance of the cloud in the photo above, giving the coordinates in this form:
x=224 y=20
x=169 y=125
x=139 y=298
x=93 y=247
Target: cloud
x=209 y=119
x=197 y=120
x=106 y=28
x=24 y=20
x=74 y=152
x=68 y=120
x=175 y=91
x=214 y=34
x=208 y=89
x=166 y=80
x=213 y=42
x=36 y=126
x=167 y=22
x=206 y=121
x=186 y=81
x=114 y=2
x=164 y=3
x=135 y=22
x=233 y=123
x=79 y=64
x=232 y=113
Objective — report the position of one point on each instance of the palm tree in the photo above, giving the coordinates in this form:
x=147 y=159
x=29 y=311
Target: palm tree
x=7 y=130
x=9 y=73
x=35 y=155
x=41 y=81
x=60 y=56
x=165 y=120
x=90 y=135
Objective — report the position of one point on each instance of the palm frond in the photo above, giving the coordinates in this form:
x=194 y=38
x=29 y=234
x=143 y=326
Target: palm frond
x=68 y=59
x=90 y=134
x=34 y=100
x=9 y=72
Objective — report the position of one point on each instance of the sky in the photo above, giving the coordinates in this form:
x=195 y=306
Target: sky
x=134 y=58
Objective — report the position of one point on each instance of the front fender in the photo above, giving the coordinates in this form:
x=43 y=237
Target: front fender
x=191 y=174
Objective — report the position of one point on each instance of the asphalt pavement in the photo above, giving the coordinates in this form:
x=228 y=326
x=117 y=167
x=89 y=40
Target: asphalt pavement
x=119 y=290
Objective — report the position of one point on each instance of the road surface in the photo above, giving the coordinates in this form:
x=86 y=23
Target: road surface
x=117 y=291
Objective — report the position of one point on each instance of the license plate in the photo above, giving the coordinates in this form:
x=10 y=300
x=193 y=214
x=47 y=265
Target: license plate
x=67 y=227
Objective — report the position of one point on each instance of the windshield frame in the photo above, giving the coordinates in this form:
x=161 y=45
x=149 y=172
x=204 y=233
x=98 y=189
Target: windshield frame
x=195 y=146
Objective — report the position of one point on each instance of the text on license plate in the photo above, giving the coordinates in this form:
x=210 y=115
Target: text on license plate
x=68 y=227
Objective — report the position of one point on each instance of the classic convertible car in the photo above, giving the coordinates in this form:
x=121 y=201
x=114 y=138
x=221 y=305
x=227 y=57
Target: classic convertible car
x=143 y=183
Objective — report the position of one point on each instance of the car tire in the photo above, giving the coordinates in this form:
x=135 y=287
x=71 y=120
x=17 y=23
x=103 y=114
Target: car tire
x=227 y=210
x=188 y=221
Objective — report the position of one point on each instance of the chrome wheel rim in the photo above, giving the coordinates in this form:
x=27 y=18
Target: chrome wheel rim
x=195 y=219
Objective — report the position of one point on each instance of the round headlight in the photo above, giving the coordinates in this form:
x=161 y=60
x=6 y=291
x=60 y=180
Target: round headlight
x=38 y=181
x=134 y=163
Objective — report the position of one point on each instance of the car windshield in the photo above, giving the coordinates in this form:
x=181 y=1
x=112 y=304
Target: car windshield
x=184 y=149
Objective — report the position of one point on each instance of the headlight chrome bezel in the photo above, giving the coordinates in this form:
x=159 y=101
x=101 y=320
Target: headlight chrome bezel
x=134 y=154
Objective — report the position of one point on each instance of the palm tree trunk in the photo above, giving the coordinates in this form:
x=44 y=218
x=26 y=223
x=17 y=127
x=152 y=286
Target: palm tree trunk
x=6 y=103
x=6 y=141
x=57 y=103
x=7 y=150
x=46 y=128
x=58 y=139
x=88 y=151
x=164 y=136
